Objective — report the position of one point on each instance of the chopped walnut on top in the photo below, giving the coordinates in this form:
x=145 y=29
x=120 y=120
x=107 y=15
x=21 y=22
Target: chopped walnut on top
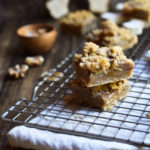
x=18 y=71
x=94 y=63
x=89 y=48
x=34 y=61
x=95 y=58
x=92 y=49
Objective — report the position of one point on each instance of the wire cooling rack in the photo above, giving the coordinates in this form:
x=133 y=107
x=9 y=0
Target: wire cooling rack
x=51 y=107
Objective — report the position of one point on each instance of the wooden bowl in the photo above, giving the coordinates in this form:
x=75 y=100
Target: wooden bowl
x=37 y=38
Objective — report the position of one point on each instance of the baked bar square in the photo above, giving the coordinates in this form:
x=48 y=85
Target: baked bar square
x=101 y=65
x=102 y=96
x=78 y=22
x=137 y=9
x=111 y=34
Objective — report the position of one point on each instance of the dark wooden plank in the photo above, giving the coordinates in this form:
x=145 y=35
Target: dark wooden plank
x=5 y=38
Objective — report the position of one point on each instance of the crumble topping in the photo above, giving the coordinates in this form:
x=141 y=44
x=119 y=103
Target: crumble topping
x=111 y=35
x=79 y=16
x=96 y=59
x=89 y=48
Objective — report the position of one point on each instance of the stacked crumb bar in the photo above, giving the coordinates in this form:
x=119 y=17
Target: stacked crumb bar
x=102 y=75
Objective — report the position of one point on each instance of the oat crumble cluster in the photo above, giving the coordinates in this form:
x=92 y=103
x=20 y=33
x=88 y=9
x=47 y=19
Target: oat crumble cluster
x=111 y=34
x=95 y=58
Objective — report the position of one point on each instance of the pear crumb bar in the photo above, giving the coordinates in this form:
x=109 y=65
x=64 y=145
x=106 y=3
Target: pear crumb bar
x=101 y=65
x=137 y=9
x=78 y=22
x=102 y=96
x=111 y=34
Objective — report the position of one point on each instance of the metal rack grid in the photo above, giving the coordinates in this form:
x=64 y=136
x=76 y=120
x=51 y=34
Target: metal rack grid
x=51 y=107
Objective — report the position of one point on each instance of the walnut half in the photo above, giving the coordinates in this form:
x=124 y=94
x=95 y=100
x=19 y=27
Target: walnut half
x=34 y=61
x=18 y=71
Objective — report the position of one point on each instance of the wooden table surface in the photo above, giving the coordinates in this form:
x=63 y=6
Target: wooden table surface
x=11 y=53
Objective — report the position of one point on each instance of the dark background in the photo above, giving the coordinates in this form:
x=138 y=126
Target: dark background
x=35 y=9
